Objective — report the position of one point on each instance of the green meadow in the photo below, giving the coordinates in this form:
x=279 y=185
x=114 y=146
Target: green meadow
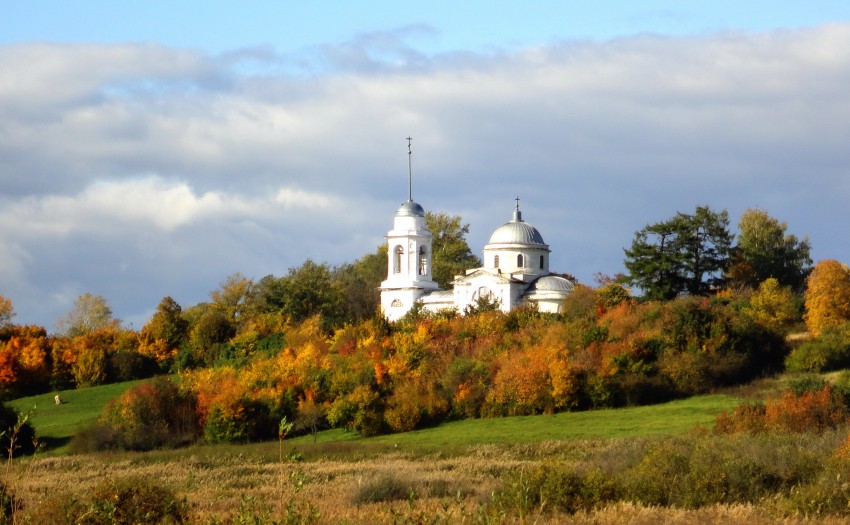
x=56 y=424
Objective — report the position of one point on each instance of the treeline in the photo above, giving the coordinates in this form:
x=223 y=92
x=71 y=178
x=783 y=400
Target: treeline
x=309 y=347
x=375 y=377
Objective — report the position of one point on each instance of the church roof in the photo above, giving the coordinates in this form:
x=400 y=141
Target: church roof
x=517 y=231
x=551 y=283
x=410 y=209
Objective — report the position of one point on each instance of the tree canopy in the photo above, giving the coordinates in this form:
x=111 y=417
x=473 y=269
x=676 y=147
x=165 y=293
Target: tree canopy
x=451 y=253
x=827 y=296
x=90 y=313
x=6 y=312
x=307 y=290
x=764 y=250
x=684 y=254
x=360 y=281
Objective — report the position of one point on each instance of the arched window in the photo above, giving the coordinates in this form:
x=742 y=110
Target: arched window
x=398 y=252
x=519 y=261
x=423 y=261
x=496 y=261
x=541 y=262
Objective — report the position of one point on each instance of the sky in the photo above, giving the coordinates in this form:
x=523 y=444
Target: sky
x=153 y=151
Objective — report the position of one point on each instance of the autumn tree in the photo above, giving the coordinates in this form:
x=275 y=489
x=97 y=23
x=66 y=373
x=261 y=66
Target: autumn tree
x=90 y=313
x=451 y=253
x=773 y=306
x=165 y=332
x=827 y=296
x=235 y=298
x=684 y=254
x=765 y=251
x=6 y=312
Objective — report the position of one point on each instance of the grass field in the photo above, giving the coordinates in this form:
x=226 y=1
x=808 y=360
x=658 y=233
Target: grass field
x=444 y=474
x=670 y=418
x=55 y=424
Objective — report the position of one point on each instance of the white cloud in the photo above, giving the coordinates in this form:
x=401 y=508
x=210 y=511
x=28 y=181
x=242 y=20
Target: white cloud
x=258 y=170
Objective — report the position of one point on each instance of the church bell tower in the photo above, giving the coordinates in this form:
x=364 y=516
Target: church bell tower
x=408 y=257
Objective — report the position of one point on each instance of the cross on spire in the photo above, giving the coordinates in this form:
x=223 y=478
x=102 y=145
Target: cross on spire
x=517 y=202
x=409 y=169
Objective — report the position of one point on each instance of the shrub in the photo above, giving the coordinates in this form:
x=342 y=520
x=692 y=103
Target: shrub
x=93 y=438
x=747 y=417
x=126 y=366
x=808 y=411
x=128 y=501
x=151 y=415
x=806 y=383
x=826 y=494
x=17 y=433
x=382 y=488
x=559 y=486
x=829 y=351
x=9 y=504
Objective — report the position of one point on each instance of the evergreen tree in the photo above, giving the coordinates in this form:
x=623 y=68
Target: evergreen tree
x=684 y=254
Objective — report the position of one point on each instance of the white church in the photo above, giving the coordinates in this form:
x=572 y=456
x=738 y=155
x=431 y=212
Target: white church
x=515 y=271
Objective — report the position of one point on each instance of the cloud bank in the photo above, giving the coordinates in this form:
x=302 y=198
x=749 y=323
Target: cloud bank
x=138 y=171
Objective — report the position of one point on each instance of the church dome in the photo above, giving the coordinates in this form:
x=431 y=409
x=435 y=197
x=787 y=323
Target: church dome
x=410 y=209
x=517 y=231
x=551 y=283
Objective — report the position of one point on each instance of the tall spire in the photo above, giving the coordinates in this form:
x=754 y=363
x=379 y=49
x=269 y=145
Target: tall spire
x=409 y=170
x=517 y=213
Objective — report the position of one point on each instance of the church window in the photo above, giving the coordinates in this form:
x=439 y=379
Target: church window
x=519 y=261
x=423 y=261
x=541 y=262
x=496 y=261
x=398 y=253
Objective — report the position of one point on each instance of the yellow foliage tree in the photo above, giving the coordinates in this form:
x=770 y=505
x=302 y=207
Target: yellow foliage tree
x=772 y=305
x=827 y=296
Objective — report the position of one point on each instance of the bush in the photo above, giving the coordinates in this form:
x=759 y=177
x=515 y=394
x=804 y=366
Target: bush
x=241 y=421
x=127 y=366
x=383 y=488
x=705 y=470
x=128 y=501
x=829 y=351
x=806 y=383
x=17 y=433
x=152 y=415
x=808 y=411
x=559 y=486
x=94 y=438
x=9 y=504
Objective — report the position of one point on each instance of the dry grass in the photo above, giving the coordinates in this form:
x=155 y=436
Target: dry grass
x=219 y=484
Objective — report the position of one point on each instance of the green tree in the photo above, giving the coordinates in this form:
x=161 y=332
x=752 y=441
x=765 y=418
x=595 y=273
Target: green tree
x=210 y=330
x=360 y=281
x=684 y=254
x=764 y=250
x=90 y=313
x=451 y=253
x=304 y=292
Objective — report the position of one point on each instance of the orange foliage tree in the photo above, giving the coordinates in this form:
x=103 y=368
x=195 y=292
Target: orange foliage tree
x=827 y=296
